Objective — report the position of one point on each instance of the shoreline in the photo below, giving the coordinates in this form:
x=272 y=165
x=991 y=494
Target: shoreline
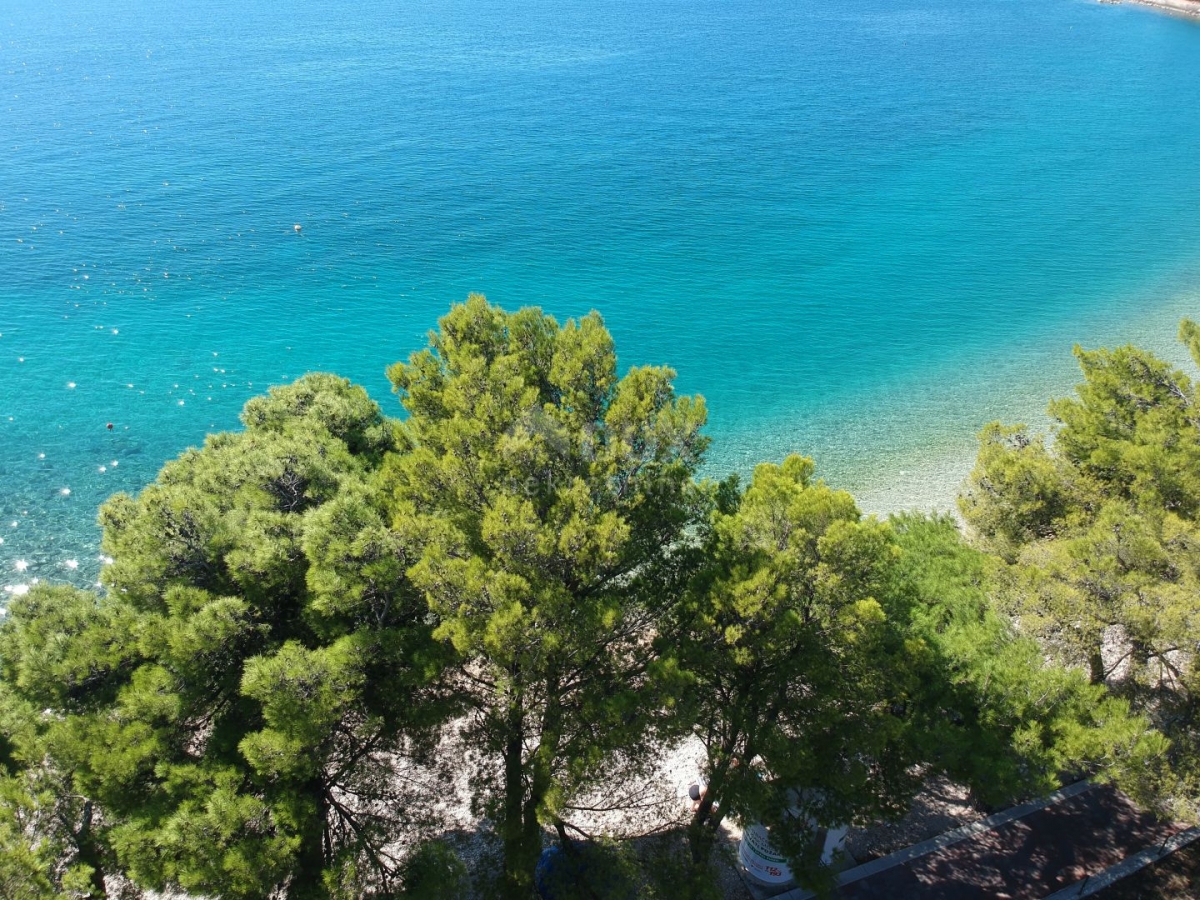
x=1187 y=8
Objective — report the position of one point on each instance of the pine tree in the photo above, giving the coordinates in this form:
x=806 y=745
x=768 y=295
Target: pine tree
x=790 y=632
x=547 y=495
x=234 y=701
x=837 y=661
x=1103 y=529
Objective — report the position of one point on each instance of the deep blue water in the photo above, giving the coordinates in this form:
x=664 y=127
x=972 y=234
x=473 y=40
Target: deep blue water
x=860 y=228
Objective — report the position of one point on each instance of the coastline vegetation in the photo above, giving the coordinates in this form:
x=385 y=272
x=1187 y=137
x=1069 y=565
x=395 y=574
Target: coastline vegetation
x=311 y=628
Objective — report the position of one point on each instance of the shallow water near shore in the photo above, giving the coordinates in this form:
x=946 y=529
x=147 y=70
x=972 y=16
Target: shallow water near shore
x=860 y=229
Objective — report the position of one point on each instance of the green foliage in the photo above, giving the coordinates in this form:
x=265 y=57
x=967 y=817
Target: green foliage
x=837 y=660
x=52 y=840
x=792 y=631
x=546 y=495
x=235 y=699
x=1107 y=576
x=995 y=714
x=434 y=872
x=35 y=847
x=296 y=610
x=1018 y=492
x=669 y=871
x=593 y=871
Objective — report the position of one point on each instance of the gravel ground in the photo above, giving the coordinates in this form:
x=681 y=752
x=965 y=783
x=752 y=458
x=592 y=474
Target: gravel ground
x=941 y=806
x=732 y=886
x=658 y=803
x=630 y=809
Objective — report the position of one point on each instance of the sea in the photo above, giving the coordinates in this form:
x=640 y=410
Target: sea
x=860 y=228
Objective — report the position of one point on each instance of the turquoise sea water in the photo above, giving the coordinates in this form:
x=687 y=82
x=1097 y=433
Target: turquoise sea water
x=860 y=228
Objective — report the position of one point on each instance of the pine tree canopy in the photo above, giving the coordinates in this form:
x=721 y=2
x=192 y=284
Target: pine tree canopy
x=234 y=697
x=525 y=586
x=1102 y=528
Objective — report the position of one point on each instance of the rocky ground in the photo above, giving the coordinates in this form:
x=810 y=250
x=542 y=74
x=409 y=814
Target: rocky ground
x=941 y=806
x=655 y=807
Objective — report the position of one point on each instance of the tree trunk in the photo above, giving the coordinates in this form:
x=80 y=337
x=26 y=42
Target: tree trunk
x=518 y=868
x=89 y=851
x=307 y=881
x=702 y=830
x=541 y=772
x=700 y=834
x=564 y=841
x=539 y=786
